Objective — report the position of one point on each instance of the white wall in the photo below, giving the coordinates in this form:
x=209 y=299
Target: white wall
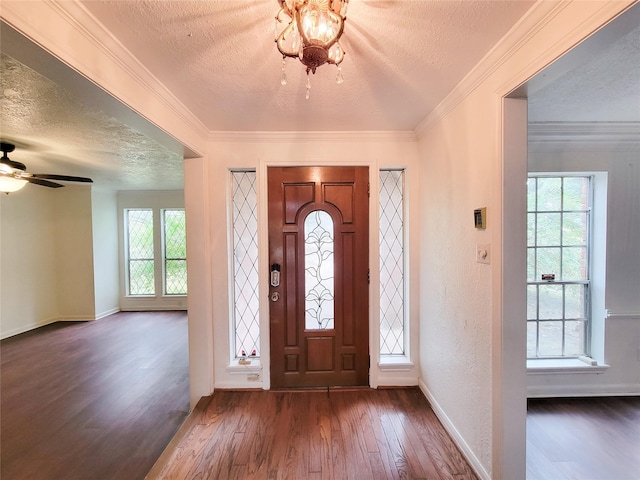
x=620 y=322
x=155 y=200
x=106 y=272
x=28 y=261
x=207 y=199
x=74 y=253
x=47 y=273
x=463 y=327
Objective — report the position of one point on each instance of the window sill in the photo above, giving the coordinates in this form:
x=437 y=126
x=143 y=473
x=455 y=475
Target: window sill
x=255 y=366
x=395 y=363
x=562 y=366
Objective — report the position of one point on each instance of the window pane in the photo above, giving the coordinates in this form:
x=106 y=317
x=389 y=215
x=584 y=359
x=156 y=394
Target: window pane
x=532 y=339
x=532 y=302
x=531 y=194
x=548 y=261
x=391 y=262
x=549 y=193
x=141 y=278
x=140 y=233
x=140 y=252
x=175 y=238
x=175 y=277
x=574 y=229
x=531 y=229
x=548 y=229
x=551 y=302
x=319 y=271
x=576 y=193
x=574 y=264
x=575 y=301
x=574 y=338
x=245 y=264
x=550 y=339
x=531 y=264
x=175 y=252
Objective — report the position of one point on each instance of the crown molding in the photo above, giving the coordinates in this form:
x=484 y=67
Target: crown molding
x=531 y=24
x=317 y=136
x=539 y=15
x=586 y=134
x=73 y=22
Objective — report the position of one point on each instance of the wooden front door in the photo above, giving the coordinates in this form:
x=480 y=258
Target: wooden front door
x=319 y=245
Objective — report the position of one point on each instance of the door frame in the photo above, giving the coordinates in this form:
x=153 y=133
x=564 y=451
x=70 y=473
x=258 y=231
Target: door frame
x=263 y=259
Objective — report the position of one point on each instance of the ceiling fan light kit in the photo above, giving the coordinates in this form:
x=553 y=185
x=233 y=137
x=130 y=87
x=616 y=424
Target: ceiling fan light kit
x=13 y=175
x=310 y=30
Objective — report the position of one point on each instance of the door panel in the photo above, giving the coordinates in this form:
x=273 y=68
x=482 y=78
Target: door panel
x=336 y=352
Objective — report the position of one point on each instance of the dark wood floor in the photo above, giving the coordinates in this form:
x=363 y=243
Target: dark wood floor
x=92 y=400
x=583 y=438
x=356 y=434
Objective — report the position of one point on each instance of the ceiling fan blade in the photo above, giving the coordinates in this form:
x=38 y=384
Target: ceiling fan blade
x=66 y=178
x=44 y=183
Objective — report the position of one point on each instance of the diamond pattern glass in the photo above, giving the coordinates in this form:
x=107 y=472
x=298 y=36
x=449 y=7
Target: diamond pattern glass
x=318 y=271
x=245 y=264
x=391 y=262
x=140 y=251
x=175 y=252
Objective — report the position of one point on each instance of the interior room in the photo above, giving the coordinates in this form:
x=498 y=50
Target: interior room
x=472 y=105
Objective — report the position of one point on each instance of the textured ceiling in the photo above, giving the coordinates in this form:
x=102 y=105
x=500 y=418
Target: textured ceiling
x=219 y=59
x=55 y=133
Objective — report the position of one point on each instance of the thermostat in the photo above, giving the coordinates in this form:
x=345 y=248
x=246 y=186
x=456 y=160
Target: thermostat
x=480 y=217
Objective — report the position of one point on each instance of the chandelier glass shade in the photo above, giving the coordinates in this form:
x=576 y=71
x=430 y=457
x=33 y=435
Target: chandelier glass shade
x=310 y=30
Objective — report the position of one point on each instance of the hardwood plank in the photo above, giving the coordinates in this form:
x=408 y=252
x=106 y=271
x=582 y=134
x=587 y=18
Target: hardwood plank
x=586 y=438
x=310 y=434
x=94 y=399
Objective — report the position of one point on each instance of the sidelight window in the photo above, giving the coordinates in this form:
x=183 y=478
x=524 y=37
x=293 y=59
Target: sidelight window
x=244 y=220
x=392 y=274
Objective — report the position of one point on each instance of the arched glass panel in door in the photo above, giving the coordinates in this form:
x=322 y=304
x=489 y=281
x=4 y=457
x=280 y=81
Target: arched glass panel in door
x=319 y=271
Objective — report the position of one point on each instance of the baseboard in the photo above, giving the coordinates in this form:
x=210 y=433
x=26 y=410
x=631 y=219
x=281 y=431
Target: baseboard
x=454 y=434
x=605 y=390
x=27 y=328
x=107 y=313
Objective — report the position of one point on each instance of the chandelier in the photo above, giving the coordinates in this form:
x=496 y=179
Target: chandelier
x=312 y=33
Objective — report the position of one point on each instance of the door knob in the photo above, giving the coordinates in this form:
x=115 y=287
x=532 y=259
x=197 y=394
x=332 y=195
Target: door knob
x=275 y=296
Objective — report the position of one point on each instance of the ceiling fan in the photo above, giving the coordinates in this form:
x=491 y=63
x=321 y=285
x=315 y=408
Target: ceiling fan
x=13 y=175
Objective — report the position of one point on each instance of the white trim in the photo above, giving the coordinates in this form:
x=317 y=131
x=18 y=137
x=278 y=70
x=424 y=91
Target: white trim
x=457 y=438
x=520 y=34
x=66 y=28
x=585 y=134
x=106 y=313
x=28 y=328
x=622 y=315
x=312 y=136
x=581 y=390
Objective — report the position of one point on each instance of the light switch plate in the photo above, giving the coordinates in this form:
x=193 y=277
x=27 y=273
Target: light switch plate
x=483 y=253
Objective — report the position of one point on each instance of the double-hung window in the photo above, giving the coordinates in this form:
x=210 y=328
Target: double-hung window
x=146 y=272
x=558 y=265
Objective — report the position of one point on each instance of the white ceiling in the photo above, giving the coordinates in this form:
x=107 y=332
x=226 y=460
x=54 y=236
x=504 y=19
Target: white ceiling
x=219 y=59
